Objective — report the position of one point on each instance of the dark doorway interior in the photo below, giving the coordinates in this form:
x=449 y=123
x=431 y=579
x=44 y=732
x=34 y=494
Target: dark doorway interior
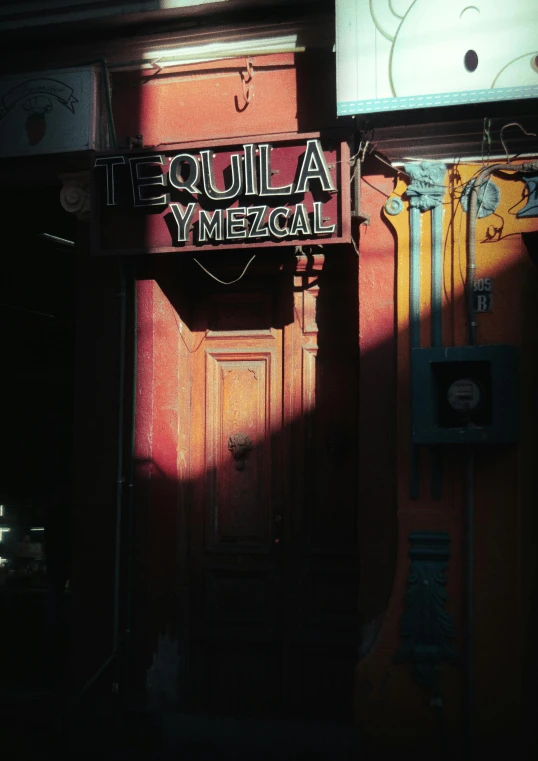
x=37 y=337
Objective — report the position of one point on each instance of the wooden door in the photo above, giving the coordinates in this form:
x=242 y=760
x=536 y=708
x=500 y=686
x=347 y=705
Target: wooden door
x=270 y=413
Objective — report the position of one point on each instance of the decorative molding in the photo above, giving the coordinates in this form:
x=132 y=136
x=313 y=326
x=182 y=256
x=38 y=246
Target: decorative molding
x=427 y=186
x=394 y=206
x=75 y=194
x=425 y=192
x=488 y=194
x=425 y=626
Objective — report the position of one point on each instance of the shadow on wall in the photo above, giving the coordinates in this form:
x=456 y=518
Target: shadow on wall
x=269 y=593
x=184 y=578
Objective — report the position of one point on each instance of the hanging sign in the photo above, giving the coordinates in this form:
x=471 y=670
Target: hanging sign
x=262 y=193
x=49 y=112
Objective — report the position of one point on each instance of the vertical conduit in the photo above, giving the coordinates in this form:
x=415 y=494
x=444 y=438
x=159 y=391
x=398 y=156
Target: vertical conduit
x=130 y=498
x=437 y=275
x=414 y=327
x=414 y=286
x=437 y=328
x=468 y=483
x=119 y=474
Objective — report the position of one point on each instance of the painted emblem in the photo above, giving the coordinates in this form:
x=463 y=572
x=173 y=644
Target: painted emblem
x=37 y=97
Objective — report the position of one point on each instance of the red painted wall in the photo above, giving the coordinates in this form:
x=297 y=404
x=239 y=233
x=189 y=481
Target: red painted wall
x=289 y=94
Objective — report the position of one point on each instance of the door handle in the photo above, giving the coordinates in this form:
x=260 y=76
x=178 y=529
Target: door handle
x=239 y=445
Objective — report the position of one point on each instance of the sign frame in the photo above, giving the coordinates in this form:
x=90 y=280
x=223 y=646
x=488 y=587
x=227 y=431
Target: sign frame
x=341 y=171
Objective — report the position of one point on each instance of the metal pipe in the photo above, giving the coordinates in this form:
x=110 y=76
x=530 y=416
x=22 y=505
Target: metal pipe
x=437 y=275
x=119 y=465
x=414 y=285
x=130 y=497
x=119 y=489
x=471 y=261
x=108 y=102
x=437 y=328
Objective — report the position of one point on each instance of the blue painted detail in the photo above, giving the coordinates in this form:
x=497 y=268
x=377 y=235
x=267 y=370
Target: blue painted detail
x=491 y=95
x=394 y=206
x=425 y=627
x=494 y=370
x=437 y=329
x=489 y=196
x=427 y=186
x=531 y=209
x=425 y=192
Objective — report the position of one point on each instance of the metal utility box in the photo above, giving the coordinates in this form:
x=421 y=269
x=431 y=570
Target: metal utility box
x=465 y=394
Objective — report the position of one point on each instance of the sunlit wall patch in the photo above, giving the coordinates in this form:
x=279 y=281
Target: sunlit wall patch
x=266 y=172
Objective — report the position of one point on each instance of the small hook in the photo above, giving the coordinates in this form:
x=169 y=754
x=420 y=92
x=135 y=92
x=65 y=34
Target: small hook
x=246 y=80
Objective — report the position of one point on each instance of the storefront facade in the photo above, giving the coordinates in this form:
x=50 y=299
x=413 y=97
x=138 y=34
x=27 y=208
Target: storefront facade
x=278 y=509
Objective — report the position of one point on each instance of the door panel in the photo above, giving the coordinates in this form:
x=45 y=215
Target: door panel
x=273 y=588
x=240 y=394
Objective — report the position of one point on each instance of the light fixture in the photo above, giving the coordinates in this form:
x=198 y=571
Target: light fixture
x=215 y=51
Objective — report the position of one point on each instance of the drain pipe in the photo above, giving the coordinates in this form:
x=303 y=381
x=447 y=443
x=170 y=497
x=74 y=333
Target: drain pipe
x=119 y=464
x=469 y=480
x=130 y=499
x=62 y=720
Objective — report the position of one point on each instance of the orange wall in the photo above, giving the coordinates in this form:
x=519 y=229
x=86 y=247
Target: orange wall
x=288 y=93
x=394 y=712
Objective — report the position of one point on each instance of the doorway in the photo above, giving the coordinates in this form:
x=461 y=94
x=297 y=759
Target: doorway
x=267 y=444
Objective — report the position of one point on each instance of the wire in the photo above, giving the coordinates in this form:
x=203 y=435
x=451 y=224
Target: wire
x=433 y=184
x=223 y=282
x=486 y=138
x=371 y=185
x=513 y=124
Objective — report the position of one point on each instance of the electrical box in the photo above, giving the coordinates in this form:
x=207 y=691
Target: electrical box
x=465 y=394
